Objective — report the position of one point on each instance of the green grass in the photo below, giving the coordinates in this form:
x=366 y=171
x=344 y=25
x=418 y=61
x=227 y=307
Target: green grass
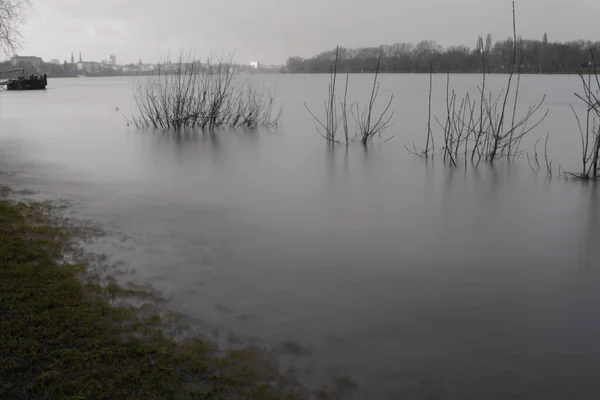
x=62 y=337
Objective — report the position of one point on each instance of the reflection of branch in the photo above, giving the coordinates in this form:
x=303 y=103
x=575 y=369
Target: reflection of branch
x=529 y=162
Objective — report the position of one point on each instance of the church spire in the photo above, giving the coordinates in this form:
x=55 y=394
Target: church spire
x=80 y=60
x=72 y=58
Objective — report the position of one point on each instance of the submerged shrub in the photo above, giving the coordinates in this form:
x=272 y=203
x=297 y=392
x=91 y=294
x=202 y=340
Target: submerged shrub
x=589 y=130
x=190 y=94
x=491 y=129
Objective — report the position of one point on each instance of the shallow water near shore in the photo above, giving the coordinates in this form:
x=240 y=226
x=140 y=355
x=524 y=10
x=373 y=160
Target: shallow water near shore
x=409 y=279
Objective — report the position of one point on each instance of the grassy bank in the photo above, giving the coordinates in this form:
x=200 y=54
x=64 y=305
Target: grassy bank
x=63 y=337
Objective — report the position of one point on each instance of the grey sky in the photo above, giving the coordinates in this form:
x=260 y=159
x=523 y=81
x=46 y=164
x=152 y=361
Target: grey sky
x=270 y=31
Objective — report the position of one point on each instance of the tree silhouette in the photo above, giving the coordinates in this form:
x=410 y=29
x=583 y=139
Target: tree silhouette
x=12 y=17
x=535 y=56
x=479 y=45
x=488 y=43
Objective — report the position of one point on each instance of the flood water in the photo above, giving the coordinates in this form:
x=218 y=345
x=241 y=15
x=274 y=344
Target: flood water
x=411 y=279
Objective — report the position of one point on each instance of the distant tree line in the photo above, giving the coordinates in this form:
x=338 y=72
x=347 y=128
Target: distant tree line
x=533 y=56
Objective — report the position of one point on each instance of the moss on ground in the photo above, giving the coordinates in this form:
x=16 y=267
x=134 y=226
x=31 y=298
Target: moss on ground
x=62 y=337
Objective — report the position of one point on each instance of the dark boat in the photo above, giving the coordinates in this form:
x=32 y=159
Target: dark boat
x=31 y=83
x=21 y=82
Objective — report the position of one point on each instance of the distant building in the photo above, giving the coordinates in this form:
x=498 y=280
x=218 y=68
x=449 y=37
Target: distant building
x=31 y=60
x=111 y=60
x=88 y=67
x=254 y=64
x=55 y=61
x=137 y=68
x=147 y=67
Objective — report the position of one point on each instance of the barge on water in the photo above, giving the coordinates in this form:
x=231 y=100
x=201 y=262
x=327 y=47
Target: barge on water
x=21 y=82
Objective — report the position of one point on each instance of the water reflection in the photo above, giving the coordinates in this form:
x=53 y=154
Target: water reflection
x=414 y=279
x=589 y=220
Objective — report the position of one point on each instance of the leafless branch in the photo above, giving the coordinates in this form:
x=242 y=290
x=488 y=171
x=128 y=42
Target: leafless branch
x=364 y=119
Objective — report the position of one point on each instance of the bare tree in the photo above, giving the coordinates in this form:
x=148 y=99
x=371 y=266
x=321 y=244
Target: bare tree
x=479 y=46
x=488 y=43
x=12 y=17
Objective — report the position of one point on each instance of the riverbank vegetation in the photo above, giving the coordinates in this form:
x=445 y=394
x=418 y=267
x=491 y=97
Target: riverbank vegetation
x=206 y=96
x=65 y=335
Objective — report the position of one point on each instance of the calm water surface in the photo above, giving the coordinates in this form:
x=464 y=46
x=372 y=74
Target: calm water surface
x=413 y=280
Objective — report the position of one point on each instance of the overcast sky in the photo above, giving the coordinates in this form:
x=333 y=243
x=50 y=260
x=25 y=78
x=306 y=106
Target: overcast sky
x=269 y=31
